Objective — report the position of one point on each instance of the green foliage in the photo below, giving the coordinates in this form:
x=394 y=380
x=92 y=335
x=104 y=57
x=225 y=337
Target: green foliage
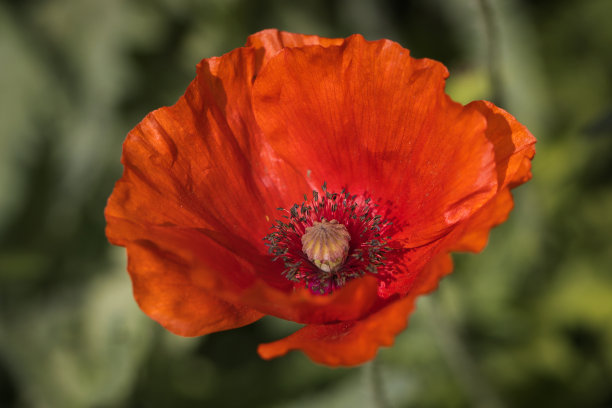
x=526 y=323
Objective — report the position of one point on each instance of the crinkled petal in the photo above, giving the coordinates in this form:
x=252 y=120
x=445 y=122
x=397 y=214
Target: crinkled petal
x=229 y=272
x=474 y=233
x=367 y=116
x=189 y=165
x=261 y=126
x=199 y=176
x=174 y=301
x=272 y=41
x=514 y=145
x=352 y=343
x=514 y=150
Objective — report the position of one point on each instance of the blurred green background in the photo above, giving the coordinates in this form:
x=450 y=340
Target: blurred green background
x=527 y=323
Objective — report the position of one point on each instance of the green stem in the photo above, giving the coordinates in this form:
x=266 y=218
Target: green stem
x=493 y=51
x=375 y=377
x=460 y=361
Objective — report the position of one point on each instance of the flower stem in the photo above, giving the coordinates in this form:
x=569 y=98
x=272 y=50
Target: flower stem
x=373 y=372
x=493 y=50
x=460 y=361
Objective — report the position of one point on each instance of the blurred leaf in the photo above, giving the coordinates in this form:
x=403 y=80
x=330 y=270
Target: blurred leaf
x=532 y=312
x=80 y=347
x=356 y=390
x=21 y=266
x=22 y=108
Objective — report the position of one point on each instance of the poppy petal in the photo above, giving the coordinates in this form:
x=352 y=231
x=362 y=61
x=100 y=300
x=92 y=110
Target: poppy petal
x=514 y=150
x=367 y=116
x=352 y=343
x=474 y=233
x=171 y=299
x=200 y=173
x=514 y=144
x=199 y=255
x=266 y=123
x=187 y=167
x=272 y=41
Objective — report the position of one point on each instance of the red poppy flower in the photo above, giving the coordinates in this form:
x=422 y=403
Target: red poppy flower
x=377 y=172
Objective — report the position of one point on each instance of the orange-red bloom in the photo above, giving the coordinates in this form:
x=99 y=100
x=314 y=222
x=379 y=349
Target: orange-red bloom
x=410 y=176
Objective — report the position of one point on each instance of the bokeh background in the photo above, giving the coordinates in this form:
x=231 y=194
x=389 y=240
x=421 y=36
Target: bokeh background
x=527 y=323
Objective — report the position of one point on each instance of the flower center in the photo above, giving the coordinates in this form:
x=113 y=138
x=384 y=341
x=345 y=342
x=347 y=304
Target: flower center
x=326 y=244
x=329 y=240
